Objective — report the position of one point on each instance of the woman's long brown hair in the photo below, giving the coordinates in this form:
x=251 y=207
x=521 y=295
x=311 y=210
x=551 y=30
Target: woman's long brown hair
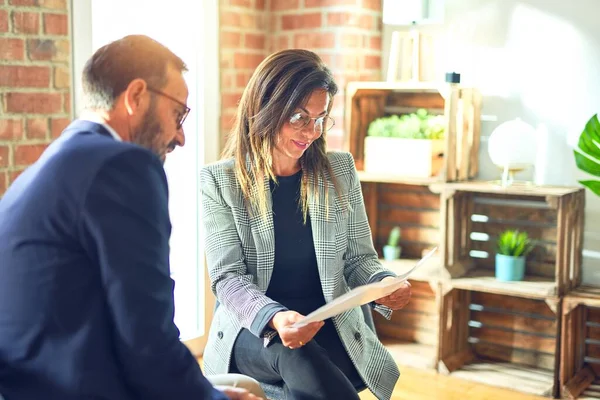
x=282 y=82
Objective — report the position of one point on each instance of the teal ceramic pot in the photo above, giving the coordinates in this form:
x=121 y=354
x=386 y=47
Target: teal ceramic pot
x=509 y=268
x=391 y=252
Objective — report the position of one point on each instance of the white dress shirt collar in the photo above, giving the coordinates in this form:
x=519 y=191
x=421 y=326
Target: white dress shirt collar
x=93 y=117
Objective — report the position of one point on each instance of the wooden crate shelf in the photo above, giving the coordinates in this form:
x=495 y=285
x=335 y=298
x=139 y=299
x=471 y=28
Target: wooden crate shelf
x=461 y=106
x=411 y=335
x=475 y=213
x=501 y=340
x=580 y=345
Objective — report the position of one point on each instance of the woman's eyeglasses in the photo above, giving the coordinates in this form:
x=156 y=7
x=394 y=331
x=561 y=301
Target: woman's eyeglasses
x=322 y=124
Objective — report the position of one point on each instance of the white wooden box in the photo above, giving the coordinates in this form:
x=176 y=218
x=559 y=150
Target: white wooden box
x=405 y=157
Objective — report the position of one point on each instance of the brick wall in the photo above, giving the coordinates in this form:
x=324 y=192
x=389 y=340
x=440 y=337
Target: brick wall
x=345 y=33
x=35 y=80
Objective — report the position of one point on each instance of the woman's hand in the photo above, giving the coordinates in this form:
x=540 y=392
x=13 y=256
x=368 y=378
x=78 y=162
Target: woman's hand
x=235 y=393
x=398 y=299
x=293 y=337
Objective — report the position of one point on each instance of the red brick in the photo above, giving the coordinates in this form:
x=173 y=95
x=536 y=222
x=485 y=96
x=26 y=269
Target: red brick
x=58 y=125
x=26 y=22
x=55 y=4
x=11 y=129
x=67 y=102
x=231 y=39
x=328 y=59
x=3 y=175
x=348 y=19
x=375 y=43
x=13 y=175
x=12 y=49
x=280 y=5
x=227 y=81
x=48 y=50
x=37 y=128
x=372 y=5
x=280 y=42
x=301 y=21
x=241 y=3
x=249 y=61
x=242 y=79
x=56 y=24
x=27 y=154
x=3 y=21
x=227 y=121
x=4 y=154
x=314 y=40
x=255 y=41
x=62 y=78
x=329 y=3
x=24 y=76
x=230 y=100
x=230 y=19
x=34 y=103
x=252 y=21
x=372 y=62
x=23 y=2
x=351 y=40
x=260 y=4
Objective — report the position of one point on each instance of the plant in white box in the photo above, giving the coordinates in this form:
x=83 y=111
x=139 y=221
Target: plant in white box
x=407 y=145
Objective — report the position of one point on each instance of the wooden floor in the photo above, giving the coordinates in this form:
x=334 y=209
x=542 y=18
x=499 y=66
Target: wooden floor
x=423 y=384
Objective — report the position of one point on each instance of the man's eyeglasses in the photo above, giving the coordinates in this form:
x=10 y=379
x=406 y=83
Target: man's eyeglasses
x=322 y=124
x=182 y=115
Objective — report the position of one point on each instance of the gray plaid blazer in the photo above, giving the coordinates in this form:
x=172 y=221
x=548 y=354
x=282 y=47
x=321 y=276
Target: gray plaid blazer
x=240 y=249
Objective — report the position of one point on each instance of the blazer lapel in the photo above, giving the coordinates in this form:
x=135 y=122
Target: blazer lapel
x=322 y=217
x=263 y=233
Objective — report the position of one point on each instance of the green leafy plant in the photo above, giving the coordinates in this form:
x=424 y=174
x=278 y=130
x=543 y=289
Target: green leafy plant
x=514 y=243
x=587 y=155
x=417 y=125
x=394 y=237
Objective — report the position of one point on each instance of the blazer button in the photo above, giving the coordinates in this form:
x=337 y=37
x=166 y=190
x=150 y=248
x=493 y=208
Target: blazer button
x=357 y=336
x=220 y=335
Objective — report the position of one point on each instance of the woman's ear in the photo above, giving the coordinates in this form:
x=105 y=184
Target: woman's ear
x=134 y=95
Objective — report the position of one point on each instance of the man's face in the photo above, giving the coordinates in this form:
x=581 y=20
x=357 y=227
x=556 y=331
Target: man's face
x=159 y=131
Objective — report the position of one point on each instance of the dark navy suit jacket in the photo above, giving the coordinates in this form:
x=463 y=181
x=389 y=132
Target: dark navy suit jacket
x=86 y=298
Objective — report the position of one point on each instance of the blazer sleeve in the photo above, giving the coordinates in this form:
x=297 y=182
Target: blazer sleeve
x=362 y=264
x=125 y=225
x=231 y=283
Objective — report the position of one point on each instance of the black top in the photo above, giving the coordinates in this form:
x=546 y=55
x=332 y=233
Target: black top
x=295 y=281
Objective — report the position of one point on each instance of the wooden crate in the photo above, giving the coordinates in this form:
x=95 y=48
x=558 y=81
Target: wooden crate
x=500 y=340
x=412 y=333
x=367 y=101
x=475 y=213
x=580 y=345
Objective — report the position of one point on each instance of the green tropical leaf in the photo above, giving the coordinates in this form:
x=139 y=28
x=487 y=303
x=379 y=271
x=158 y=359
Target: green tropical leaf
x=594 y=186
x=586 y=165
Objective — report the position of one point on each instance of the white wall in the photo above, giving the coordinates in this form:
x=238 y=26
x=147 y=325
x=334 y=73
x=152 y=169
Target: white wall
x=534 y=59
x=190 y=36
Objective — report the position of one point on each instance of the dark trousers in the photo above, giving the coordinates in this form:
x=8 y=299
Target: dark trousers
x=321 y=369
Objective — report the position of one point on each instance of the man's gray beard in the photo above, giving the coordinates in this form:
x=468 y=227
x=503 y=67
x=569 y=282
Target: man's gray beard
x=148 y=135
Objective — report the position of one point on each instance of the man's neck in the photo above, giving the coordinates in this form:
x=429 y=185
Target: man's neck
x=106 y=118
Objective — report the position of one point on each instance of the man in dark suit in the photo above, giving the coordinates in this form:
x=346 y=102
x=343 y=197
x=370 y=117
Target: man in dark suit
x=86 y=298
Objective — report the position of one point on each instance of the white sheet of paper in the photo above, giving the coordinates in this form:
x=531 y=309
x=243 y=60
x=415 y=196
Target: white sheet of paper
x=360 y=295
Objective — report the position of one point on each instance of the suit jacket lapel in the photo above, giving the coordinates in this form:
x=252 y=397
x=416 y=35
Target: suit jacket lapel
x=263 y=233
x=322 y=217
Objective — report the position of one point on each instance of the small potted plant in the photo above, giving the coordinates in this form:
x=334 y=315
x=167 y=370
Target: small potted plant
x=391 y=251
x=513 y=248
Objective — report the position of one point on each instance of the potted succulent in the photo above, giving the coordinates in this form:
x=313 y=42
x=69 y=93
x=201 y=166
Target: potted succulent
x=407 y=145
x=513 y=248
x=391 y=251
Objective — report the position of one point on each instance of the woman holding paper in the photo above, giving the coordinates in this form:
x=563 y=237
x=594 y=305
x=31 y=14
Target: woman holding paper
x=287 y=232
